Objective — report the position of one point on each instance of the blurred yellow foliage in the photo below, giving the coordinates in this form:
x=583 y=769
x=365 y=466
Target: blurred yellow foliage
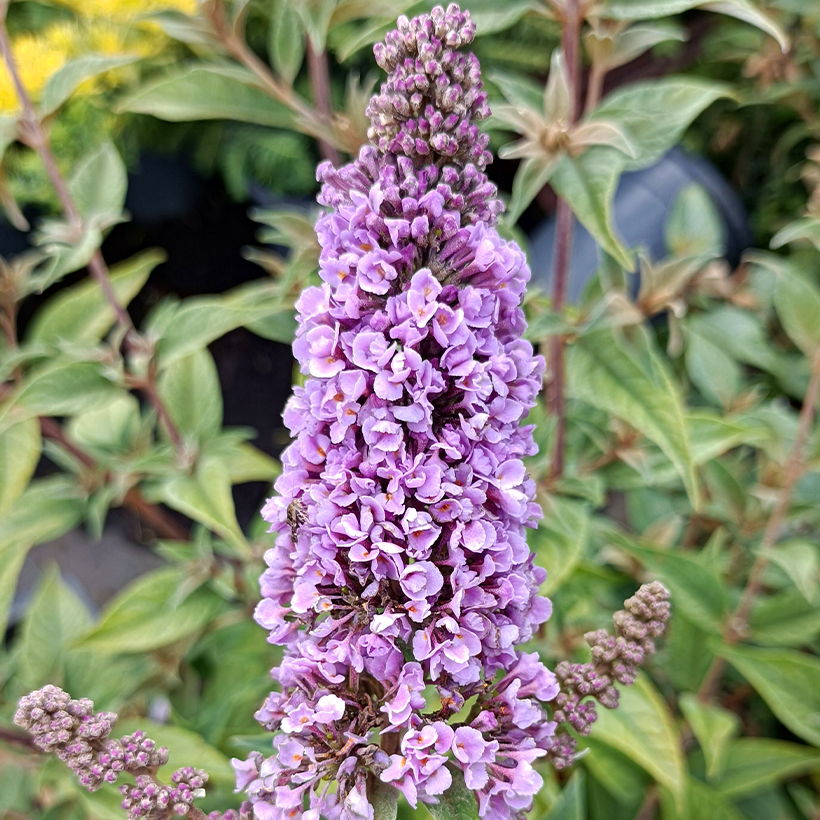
x=101 y=27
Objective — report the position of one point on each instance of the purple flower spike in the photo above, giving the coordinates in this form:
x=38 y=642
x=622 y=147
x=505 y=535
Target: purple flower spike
x=401 y=584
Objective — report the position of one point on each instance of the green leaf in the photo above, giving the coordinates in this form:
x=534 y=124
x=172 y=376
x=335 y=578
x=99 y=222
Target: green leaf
x=787 y=681
x=98 y=185
x=63 y=83
x=279 y=325
x=112 y=428
x=189 y=386
x=696 y=589
x=457 y=803
x=20 y=447
x=784 y=619
x=45 y=511
x=571 y=803
x=208 y=91
x=385 y=801
x=619 y=775
x=147 y=614
x=753 y=763
x=686 y=654
x=185 y=748
x=643 y=729
x=519 y=89
x=316 y=16
x=693 y=227
x=532 y=175
x=800 y=559
x=702 y=803
x=714 y=728
x=490 y=16
x=746 y=11
x=806 y=228
x=58 y=388
x=741 y=9
x=54 y=617
x=560 y=540
x=81 y=313
x=206 y=497
x=630 y=380
x=286 y=40
x=712 y=370
x=797 y=300
x=588 y=183
x=635 y=107
x=199 y=320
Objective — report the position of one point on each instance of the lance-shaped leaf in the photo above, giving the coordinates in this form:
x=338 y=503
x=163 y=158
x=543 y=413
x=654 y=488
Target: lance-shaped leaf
x=63 y=83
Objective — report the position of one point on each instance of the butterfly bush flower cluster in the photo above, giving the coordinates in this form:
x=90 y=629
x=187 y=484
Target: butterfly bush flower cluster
x=401 y=584
x=80 y=737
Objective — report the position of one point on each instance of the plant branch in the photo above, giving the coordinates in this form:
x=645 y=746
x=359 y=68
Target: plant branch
x=570 y=42
x=313 y=122
x=319 y=72
x=738 y=623
x=33 y=133
x=154 y=517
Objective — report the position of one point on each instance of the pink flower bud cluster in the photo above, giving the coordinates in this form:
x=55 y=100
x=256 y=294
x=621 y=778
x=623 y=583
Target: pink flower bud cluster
x=614 y=660
x=80 y=738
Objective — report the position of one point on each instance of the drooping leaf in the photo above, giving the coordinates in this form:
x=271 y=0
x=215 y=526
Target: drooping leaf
x=787 y=681
x=784 y=619
x=63 y=83
x=745 y=10
x=806 y=228
x=588 y=183
x=286 y=40
x=635 y=108
x=457 y=803
x=207 y=91
x=189 y=386
x=81 y=313
x=630 y=380
x=20 y=447
x=714 y=728
x=147 y=614
x=752 y=763
x=643 y=729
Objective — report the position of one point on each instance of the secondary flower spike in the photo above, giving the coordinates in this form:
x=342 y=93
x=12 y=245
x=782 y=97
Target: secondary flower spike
x=401 y=583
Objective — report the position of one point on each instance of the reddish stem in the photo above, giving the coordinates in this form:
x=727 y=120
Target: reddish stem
x=570 y=40
x=319 y=72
